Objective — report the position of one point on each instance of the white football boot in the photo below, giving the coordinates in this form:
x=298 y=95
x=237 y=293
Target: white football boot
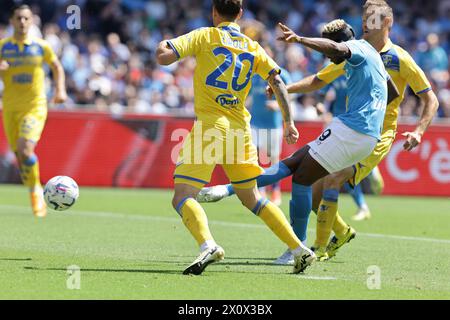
x=205 y=258
x=303 y=260
x=287 y=258
x=213 y=194
x=362 y=214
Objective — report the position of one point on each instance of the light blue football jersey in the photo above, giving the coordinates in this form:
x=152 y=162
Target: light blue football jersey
x=339 y=104
x=366 y=89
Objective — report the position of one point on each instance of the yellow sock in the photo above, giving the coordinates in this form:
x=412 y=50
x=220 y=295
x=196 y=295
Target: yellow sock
x=275 y=219
x=194 y=218
x=34 y=179
x=340 y=227
x=325 y=220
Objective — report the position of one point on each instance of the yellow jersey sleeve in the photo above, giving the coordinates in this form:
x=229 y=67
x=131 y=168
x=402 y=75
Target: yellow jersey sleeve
x=188 y=44
x=331 y=72
x=413 y=74
x=265 y=65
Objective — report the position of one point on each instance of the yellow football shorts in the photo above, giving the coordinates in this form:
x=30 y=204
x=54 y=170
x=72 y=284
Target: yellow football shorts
x=364 y=167
x=27 y=124
x=206 y=146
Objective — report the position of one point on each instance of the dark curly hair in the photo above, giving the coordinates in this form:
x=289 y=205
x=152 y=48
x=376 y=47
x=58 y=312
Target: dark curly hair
x=228 y=8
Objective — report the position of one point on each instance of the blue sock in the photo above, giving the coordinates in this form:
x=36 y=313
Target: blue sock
x=230 y=189
x=273 y=174
x=300 y=208
x=357 y=194
x=30 y=161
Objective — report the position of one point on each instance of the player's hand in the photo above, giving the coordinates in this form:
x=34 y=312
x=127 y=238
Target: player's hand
x=288 y=34
x=413 y=139
x=290 y=132
x=269 y=92
x=4 y=65
x=60 y=97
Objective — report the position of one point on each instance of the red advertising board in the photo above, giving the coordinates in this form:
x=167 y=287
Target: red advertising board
x=140 y=151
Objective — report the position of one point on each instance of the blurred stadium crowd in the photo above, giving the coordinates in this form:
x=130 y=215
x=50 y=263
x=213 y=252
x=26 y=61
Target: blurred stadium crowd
x=110 y=64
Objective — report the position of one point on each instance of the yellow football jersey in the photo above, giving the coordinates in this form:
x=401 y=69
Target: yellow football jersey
x=403 y=71
x=226 y=61
x=24 y=80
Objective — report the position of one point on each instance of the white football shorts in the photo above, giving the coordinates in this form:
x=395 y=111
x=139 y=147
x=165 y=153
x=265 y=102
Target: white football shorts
x=339 y=147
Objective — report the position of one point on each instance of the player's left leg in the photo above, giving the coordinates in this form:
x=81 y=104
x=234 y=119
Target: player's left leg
x=271 y=175
x=308 y=172
x=29 y=170
x=23 y=138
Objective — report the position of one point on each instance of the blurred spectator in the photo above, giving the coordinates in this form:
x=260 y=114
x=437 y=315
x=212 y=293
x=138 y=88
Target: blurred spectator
x=434 y=60
x=110 y=64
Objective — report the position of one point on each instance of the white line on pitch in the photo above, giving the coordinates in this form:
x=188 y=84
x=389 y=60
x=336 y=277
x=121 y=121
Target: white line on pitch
x=317 y=278
x=115 y=215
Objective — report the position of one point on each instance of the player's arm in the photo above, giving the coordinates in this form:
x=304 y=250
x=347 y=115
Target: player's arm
x=330 y=48
x=189 y=44
x=419 y=83
x=306 y=85
x=59 y=78
x=281 y=94
x=165 y=55
x=431 y=105
x=392 y=91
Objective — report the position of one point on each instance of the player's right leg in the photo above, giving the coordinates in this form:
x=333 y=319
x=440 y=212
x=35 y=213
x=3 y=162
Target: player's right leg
x=275 y=219
x=336 y=150
x=327 y=210
x=191 y=174
x=195 y=220
x=343 y=233
x=242 y=174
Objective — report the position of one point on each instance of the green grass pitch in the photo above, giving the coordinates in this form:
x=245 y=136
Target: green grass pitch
x=130 y=244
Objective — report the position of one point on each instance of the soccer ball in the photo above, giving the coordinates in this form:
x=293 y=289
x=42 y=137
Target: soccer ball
x=61 y=192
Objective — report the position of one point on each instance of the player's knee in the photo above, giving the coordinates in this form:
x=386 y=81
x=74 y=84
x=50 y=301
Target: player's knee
x=176 y=200
x=248 y=199
x=249 y=203
x=336 y=180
